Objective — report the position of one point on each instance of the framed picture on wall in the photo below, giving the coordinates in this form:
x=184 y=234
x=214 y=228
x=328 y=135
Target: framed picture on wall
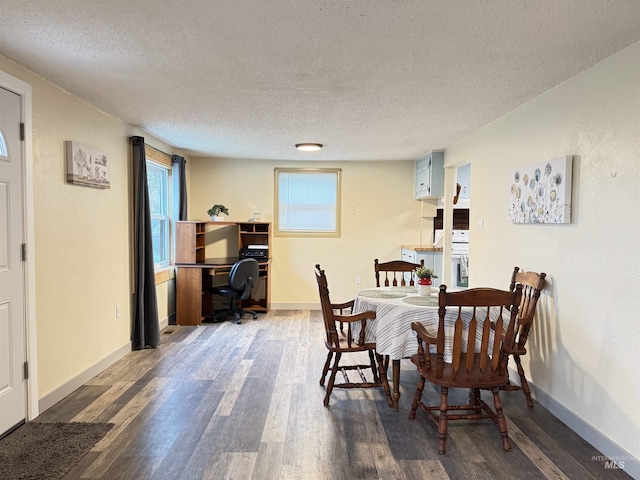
x=541 y=193
x=86 y=166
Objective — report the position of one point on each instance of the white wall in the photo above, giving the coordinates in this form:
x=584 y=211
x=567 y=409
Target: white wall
x=584 y=352
x=386 y=217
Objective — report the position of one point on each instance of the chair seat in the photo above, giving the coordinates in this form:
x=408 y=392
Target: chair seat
x=344 y=346
x=475 y=379
x=225 y=290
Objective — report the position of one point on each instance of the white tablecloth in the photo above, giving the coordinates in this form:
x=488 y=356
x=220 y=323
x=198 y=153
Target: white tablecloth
x=391 y=329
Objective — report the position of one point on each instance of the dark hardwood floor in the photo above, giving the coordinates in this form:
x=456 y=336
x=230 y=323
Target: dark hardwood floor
x=226 y=401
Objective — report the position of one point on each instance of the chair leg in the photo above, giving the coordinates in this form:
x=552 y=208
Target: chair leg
x=332 y=378
x=523 y=381
x=442 y=420
x=234 y=311
x=327 y=364
x=384 y=380
x=502 y=422
x=231 y=312
x=474 y=396
x=241 y=312
x=416 y=398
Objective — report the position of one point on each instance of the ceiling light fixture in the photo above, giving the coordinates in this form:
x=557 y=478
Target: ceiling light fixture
x=308 y=147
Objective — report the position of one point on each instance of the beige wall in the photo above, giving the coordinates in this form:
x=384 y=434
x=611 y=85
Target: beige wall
x=82 y=237
x=585 y=348
x=386 y=217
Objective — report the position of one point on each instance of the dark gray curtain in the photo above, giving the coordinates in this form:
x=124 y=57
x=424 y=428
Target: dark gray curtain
x=180 y=186
x=145 y=331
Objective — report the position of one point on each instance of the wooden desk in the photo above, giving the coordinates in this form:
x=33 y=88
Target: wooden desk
x=194 y=300
x=195 y=272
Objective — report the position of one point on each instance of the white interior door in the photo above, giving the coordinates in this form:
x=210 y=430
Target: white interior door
x=13 y=405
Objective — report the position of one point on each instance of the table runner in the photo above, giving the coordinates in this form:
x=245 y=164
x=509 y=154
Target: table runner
x=381 y=294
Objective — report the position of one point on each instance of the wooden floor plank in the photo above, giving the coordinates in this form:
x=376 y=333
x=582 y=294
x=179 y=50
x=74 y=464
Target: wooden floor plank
x=189 y=437
x=217 y=354
x=209 y=443
x=414 y=469
x=535 y=455
x=268 y=464
x=73 y=405
x=235 y=385
x=275 y=428
x=94 y=412
x=114 y=444
x=246 y=422
x=230 y=465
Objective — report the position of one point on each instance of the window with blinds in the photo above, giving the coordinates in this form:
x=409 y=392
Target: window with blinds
x=307 y=202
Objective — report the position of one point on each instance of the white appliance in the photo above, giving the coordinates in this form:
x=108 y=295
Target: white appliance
x=460 y=258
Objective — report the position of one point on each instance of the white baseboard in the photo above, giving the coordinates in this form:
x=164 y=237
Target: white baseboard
x=53 y=397
x=603 y=444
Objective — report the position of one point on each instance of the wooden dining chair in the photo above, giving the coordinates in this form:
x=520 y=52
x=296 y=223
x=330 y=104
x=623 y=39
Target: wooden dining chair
x=339 y=345
x=397 y=270
x=479 y=320
x=532 y=284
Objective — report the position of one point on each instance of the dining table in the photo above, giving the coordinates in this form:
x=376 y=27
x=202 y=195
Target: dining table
x=396 y=308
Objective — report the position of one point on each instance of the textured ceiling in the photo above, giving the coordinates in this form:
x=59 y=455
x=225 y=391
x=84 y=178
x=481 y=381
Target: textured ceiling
x=372 y=80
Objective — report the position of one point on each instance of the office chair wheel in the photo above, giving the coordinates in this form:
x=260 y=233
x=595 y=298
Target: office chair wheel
x=237 y=319
x=255 y=316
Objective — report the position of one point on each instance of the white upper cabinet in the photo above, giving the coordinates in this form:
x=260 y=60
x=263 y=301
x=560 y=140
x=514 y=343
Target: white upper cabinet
x=430 y=175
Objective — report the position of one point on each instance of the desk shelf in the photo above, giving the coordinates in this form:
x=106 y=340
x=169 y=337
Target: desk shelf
x=190 y=242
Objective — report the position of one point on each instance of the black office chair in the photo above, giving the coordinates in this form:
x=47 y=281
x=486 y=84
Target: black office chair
x=243 y=277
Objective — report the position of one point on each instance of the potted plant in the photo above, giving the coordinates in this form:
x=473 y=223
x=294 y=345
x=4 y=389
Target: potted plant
x=425 y=275
x=216 y=212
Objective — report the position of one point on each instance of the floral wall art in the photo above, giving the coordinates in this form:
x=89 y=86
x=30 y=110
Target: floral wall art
x=541 y=193
x=87 y=166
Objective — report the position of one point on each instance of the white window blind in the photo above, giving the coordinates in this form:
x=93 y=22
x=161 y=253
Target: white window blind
x=308 y=202
x=158 y=181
